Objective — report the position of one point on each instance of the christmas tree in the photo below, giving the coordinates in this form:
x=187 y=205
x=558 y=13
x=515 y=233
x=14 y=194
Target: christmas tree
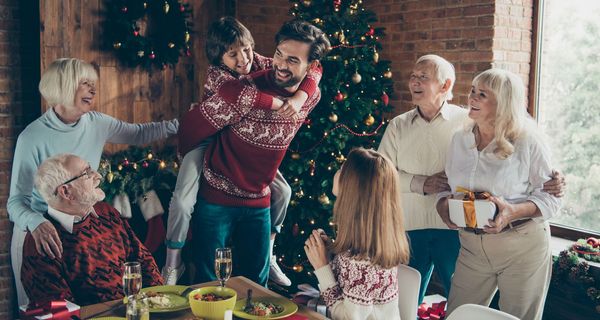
x=355 y=88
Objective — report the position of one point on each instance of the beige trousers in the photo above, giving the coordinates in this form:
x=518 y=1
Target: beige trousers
x=517 y=262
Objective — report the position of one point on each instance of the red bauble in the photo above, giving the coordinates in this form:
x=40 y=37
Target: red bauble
x=145 y=164
x=308 y=121
x=295 y=230
x=125 y=162
x=136 y=33
x=152 y=55
x=124 y=9
x=339 y=97
x=188 y=53
x=181 y=8
x=370 y=32
x=385 y=99
x=337 y=2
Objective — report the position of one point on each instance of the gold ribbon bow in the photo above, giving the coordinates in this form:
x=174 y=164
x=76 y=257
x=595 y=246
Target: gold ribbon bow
x=469 y=205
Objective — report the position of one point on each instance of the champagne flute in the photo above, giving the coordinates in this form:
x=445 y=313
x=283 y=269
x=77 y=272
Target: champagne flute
x=137 y=307
x=132 y=278
x=223 y=264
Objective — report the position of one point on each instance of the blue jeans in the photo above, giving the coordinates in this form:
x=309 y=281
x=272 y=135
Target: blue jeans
x=249 y=230
x=434 y=247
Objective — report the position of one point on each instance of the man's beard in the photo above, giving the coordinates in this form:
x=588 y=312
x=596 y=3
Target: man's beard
x=292 y=81
x=90 y=198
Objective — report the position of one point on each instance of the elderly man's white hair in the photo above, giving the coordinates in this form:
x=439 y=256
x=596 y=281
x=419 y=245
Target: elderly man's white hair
x=51 y=174
x=443 y=71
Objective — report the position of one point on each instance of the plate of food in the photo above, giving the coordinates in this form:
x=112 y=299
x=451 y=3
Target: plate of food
x=166 y=298
x=265 y=308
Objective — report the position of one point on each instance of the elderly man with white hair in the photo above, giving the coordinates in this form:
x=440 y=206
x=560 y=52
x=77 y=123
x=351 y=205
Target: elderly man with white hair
x=96 y=240
x=417 y=142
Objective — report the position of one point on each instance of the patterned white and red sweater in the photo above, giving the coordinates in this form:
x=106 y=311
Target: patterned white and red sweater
x=358 y=289
x=242 y=160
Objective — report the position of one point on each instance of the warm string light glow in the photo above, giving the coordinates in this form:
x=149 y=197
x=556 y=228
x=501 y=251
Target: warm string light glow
x=327 y=133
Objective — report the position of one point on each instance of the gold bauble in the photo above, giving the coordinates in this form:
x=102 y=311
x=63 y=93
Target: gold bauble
x=298 y=268
x=295 y=156
x=340 y=159
x=307 y=3
x=363 y=38
x=369 y=120
x=333 y=117
x=342 y=37
x=388 y=74
x=171 y=45
x=140 y=53
x=119 y=167
x=324 y=199
x=186 y=37
x=356 y=78
x=317 y=21
x=150 y=156
x=109 y=177
x=166 y=7
x=117 y=45
x=376 y=56
x=293 y=203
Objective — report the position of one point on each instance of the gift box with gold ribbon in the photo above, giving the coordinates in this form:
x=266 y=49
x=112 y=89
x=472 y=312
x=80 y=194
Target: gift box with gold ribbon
x=469 y=209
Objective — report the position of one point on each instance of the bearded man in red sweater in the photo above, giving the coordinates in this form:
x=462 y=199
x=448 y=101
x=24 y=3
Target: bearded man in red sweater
x=250 y=143
x=96 y=241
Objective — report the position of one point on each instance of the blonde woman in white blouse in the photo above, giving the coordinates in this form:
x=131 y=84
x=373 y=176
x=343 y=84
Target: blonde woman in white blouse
x=501 y=153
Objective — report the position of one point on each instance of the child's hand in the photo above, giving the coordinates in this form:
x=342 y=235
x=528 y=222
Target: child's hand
x=315 y=250
x=277 y=104
x=291 y=107
x=325 y=237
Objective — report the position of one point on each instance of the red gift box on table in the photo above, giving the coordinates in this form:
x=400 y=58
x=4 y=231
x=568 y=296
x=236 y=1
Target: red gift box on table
x=54 y=310
x=437 y=311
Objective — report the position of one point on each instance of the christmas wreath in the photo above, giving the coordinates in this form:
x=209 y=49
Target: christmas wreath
x=146 y=33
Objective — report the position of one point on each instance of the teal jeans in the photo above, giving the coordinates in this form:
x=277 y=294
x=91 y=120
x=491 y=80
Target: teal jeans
x=431 y=248
x=249 y=230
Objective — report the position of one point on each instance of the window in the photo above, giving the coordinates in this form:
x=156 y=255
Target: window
x=568 y=103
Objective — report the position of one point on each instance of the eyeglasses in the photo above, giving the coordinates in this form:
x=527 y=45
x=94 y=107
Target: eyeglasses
x=87 y=173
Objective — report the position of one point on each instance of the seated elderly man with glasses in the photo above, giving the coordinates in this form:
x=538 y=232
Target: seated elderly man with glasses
x=96 y=241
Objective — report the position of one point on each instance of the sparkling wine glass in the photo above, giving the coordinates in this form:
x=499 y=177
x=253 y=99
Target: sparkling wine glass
x=132 y=278
x=223 y=264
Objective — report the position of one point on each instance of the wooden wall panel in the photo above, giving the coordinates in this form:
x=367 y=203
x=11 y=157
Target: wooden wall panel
x=72 y=28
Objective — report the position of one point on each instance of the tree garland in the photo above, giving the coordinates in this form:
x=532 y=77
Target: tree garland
x=148 y=33
x=568 y=270
x=136 y=171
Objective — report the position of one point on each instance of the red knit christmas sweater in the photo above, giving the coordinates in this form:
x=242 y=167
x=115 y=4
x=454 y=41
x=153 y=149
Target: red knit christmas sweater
x=91 y=268
x=242 y=161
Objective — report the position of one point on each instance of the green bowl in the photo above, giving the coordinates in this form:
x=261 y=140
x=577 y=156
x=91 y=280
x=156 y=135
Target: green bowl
x=212 y=310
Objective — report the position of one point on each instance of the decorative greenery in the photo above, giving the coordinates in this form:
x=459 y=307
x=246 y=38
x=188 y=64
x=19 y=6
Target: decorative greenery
x=588 y=249
x=146 y=33
x=136 y=171
x=569 y=270
x=354 y=99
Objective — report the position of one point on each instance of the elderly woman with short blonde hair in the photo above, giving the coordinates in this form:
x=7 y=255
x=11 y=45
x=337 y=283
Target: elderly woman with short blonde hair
x=68 y=126
x=501 y=152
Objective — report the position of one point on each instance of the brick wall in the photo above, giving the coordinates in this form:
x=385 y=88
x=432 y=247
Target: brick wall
x=263 y=19
x=19 y=105
x=472 y=34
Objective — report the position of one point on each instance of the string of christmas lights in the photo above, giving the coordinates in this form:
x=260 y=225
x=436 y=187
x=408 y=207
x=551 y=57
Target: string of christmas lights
x=341 y=125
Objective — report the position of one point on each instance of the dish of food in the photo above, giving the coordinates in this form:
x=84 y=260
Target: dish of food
x=163 y=299
x=265 y=308
x=210 y=297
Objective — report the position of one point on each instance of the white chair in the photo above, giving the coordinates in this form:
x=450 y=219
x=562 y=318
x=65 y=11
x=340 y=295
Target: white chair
x=477 y=312
x=409 y=282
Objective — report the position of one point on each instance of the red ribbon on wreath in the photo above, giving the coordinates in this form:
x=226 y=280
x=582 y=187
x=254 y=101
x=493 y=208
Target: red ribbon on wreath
x=57 y=309
x=435 y=312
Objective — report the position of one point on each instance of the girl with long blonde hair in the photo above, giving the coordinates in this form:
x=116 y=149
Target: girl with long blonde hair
x=360 y=282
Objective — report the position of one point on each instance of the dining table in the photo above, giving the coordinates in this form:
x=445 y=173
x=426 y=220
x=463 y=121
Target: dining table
x=239 y=283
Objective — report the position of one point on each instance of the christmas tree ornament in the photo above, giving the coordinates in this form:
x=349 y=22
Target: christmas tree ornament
x=376 y=56
x=136 y=33
x=124 y=9
x=163 y=165
x=333 y=117
x=145 y=5
x=363 y=38
x=152 y=55
x=149 y=156
x=340 y=159
x=311 y=167
x=109 y=177
x=342 y=37
x=119 y=167
x=385 y=99
x=371 y=31
x=369 y=120
x=186 y=37
x=134 y=166
x=145 y=164
x=140 y=53
x=317 y=21
x=356 y=77
x=125 y=162
x=181 y=8
x=298 y=268
x=300 y=193
x=388 y=74
x=293 y=203
x=295 y=229
x=171 y=45
x=307 y=3
x=166 y=7
x=307 y=121
x=339 y=97
x=324 y=200
x=295 y=156
x=117 y=45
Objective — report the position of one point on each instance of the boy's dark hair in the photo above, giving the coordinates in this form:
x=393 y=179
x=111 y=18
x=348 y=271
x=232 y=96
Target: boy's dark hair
x=221 y=35
x=303 y=31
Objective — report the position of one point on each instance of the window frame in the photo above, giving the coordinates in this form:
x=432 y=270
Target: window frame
x=557 y=230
